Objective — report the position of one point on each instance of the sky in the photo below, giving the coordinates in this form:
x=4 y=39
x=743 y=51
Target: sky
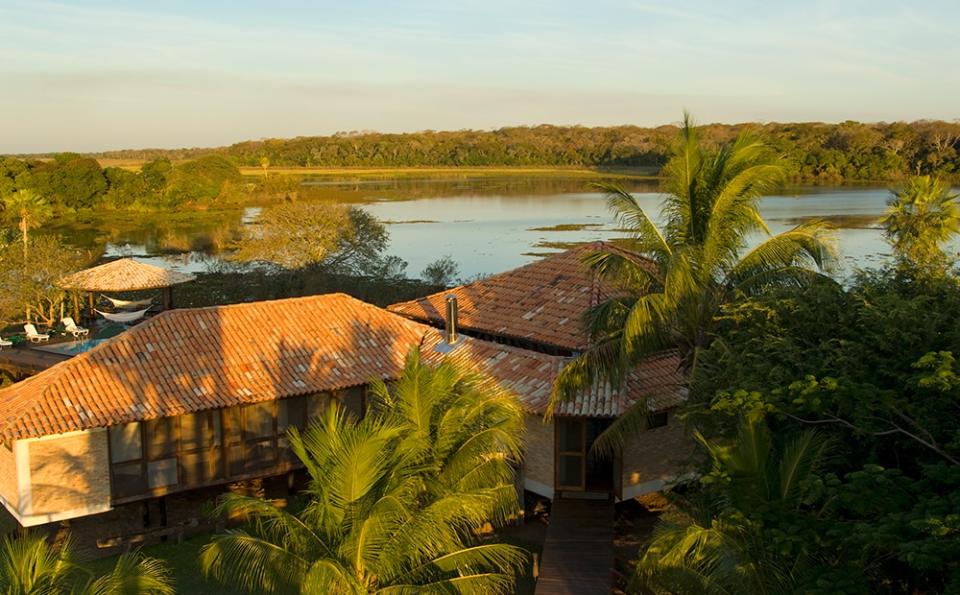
x=99 y=74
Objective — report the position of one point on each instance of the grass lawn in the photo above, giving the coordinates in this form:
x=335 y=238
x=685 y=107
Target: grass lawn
x=183 y=560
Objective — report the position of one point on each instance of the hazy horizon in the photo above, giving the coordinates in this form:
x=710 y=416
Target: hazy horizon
x=107 y=75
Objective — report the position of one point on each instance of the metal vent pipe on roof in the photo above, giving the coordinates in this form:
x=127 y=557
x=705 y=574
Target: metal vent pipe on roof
x=450 y=325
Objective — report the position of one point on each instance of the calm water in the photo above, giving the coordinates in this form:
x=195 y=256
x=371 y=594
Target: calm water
x=486 y=226
x=489 y=233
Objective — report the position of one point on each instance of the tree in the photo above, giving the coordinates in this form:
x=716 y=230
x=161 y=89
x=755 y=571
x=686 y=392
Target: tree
x=31 y=285
x=872 y=367
x=744 y=532
x=29 y=565
x=295 y=235
x=673 y=281
x=69 y=180
x=29 y=209
x=338 y=239
x=921 y=218
x=199 y=181
x=441 y=272
x=394 y=499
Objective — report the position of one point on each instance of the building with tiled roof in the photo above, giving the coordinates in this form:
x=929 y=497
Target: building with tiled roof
x=203 y=397
x=539 y=305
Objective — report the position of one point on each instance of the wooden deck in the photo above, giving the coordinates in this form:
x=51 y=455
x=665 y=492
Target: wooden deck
x=21 y=360
x=578 y=551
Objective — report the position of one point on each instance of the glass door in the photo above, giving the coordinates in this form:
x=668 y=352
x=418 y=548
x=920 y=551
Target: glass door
x=571 y=451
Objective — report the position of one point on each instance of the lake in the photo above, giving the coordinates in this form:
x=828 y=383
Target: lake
x=486 y=225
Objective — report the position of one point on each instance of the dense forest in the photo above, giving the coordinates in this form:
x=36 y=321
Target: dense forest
x=169 y=178
x=816 y=151
x=72 y=181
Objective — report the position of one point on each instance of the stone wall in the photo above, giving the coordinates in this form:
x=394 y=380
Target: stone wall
x=69 y=475
x=538 y=471
x=654 y=456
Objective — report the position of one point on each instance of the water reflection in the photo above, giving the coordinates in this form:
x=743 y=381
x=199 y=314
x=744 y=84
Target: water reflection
x=487 y=225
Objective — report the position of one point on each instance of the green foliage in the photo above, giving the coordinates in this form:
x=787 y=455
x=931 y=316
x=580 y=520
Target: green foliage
x=31 y=283
x=70 y=182
x=676 y=279
x=29 y=565
x=395 y=498
x=327 y=236
x=442 y=272
x=69 y=179
x=753 y=525
x=199 y=181
x=922 y=217
x=872 y=368
x=814 y=151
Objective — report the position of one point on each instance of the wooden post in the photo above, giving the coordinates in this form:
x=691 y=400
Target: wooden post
x=90 y=304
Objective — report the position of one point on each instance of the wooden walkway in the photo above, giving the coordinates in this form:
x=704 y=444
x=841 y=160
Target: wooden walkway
x=578 y=552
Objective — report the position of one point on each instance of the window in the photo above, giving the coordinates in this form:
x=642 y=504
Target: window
x=200 y=457
x=199 y=430
x=251 y=437
x=657 y=420
x=258 y=420
x=125 y=443
x=162 y=437
x=128 y=479
x=162 y=473
x=292 y=412
x=353 y=400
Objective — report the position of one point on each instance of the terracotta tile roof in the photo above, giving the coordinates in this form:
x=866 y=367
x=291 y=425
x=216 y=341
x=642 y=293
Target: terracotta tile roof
x=530 y=376
x=125 y=274
x=202 y=358
x=543 y=302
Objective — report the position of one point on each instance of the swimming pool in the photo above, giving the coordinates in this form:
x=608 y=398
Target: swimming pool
x=71 y=348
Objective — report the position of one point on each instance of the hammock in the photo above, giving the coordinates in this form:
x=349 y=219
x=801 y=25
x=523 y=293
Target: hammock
x=129 y=304
x=123 y=317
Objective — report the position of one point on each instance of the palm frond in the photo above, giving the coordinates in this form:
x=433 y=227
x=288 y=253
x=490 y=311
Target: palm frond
x=134 y=574
x=252 y=564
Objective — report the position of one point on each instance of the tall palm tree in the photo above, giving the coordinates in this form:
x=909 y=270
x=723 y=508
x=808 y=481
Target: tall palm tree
x=922 y=216
x=29 y=565
x=711 y=544
x=29 y=209
x=394 y=499
x=675 y=278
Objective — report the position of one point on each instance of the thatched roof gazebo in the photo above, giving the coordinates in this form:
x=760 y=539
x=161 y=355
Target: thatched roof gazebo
x=125 y=275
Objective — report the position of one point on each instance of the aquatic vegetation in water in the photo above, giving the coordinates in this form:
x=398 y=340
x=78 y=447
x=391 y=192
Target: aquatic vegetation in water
x=568 y=227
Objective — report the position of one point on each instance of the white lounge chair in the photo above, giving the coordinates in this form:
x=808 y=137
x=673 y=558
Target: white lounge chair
x=5 y=343
x=33 y=335
x=73 y=329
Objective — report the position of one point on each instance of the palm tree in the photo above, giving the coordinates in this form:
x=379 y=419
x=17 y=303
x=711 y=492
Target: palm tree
x=29 y=565
x=29 y=209
x=464 y=431
x=394 y=499
x=675 y=279
x=922 y=216
x=713 y=544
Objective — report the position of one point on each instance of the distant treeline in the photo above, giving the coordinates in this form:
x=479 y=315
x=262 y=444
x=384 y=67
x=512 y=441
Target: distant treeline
x=827 y=152
x=850 y=151
x=72 y=181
